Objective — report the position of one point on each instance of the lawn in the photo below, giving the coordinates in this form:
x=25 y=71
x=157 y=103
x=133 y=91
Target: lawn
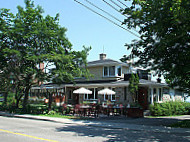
x=63 y=116
x=162 y=116
x=60 y=116
x=182 y=124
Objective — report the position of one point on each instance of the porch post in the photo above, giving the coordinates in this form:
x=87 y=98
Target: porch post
x=157 y=93
x=152 y=96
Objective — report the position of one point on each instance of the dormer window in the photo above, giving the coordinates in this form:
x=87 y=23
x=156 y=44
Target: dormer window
x=119 y=70
x=105 y=71
x=112 y=71
x=109 y=71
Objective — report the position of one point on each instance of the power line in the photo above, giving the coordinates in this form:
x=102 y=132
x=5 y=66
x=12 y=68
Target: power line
x=116 y=4
x=114 y=8
x=103 y=11
x=122 y=3
x=106 y=18
x=117 y=9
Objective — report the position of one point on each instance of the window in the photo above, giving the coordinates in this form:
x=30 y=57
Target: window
x=110 y=97
x=119 y=71
x=85 y=96
x=93 y=96
x=105 y=71
x=109 y=71
x=106 y=97
x=112 y=71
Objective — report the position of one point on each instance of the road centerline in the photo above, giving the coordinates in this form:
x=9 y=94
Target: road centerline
x=34 y=137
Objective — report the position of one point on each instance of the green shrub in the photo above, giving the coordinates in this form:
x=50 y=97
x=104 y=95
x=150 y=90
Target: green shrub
x=52 y=112
x=37 y=109
x=170 y=108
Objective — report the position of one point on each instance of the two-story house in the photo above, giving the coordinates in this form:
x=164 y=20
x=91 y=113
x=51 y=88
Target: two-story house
x=108 y=73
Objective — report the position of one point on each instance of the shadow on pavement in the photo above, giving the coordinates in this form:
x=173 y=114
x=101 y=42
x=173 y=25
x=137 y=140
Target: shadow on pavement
x=112 y=134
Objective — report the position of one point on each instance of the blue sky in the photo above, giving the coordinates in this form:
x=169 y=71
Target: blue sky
x=84 y=27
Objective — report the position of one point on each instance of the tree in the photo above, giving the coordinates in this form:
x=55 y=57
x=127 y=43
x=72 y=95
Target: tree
x=133 y=85
x=164 y=26
x=28 y=39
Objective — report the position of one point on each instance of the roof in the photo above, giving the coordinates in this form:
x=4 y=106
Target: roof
x=119 y=83
x=110 y=83
x=106 y=62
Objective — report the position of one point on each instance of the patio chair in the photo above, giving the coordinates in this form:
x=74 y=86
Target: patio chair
x=77 y=110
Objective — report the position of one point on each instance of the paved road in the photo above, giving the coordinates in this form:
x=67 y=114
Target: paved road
x=27 y=130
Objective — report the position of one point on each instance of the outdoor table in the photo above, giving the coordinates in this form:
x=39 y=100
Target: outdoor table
x=85 y=109
x=118 y=109
x=107 y=109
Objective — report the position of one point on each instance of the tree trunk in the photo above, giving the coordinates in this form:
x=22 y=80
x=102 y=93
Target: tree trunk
x=25 y=101
x=18 y=100
x=16 y=97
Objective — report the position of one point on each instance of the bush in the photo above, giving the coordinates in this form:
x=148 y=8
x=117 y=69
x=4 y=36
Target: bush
x=52 y=112
x=37 y=109
x=170 y=108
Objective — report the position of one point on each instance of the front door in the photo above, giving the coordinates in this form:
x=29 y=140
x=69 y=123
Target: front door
x=143 y=97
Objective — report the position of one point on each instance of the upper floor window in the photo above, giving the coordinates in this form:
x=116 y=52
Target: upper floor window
x=112 y=71
x=119 y=71
x=109 y=71
x=105 y=71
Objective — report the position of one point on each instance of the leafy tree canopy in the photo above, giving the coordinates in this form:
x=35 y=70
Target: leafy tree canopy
x=133 y=85
x=164 y=45
x=28 y=39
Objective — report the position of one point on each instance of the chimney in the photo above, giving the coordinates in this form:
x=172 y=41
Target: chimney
x=102 y=56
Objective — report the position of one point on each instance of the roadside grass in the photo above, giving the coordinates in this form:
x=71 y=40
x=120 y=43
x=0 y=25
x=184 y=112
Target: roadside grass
x=63 y=116
x=162 y=116
x=181 y=124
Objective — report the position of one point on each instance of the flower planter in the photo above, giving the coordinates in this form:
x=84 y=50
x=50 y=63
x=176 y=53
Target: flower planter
x=135 y=112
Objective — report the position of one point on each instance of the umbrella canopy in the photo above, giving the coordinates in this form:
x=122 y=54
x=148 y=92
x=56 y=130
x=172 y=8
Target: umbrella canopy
x=106 y=91
x=82 y=91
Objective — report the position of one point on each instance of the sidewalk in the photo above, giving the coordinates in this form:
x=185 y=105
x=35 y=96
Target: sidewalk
x=103 y=124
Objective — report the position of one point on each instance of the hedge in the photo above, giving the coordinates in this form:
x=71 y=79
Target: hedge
x=170 y=108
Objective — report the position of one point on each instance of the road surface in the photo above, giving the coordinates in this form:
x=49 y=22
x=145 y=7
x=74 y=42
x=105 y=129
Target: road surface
x=28 y=130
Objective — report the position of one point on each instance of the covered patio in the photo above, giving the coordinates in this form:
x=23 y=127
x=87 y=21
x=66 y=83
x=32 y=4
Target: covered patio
x=95 y=101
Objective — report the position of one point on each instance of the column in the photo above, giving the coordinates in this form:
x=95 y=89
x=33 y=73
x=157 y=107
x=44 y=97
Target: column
x=157 y=93
x=152 y=96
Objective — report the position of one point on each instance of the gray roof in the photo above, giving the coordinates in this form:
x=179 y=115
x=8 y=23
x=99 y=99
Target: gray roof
x=105 y=62
x=119 y=83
